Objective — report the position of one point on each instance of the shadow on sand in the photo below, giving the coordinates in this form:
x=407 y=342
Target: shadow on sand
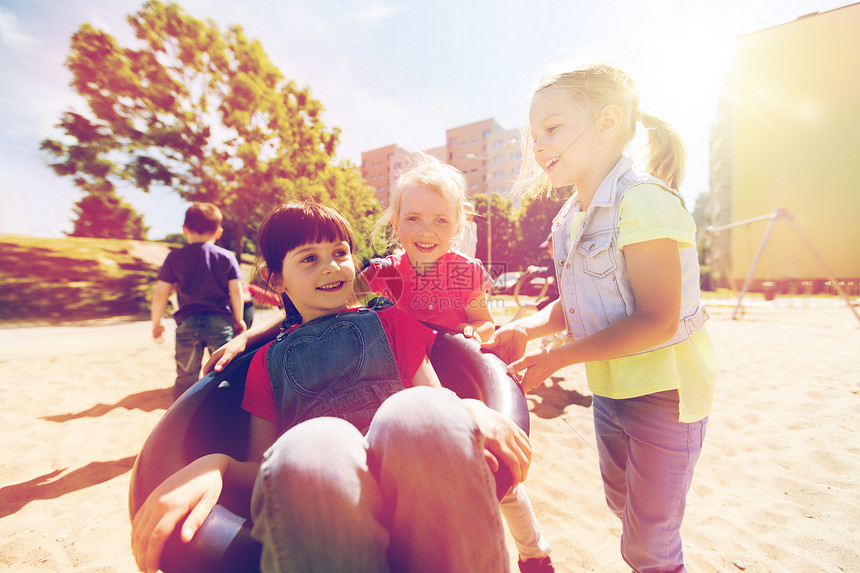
x=147 y=401
x=554 y=399
x=14 y=497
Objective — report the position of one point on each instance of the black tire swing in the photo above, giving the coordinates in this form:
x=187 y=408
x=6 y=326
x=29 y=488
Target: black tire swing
x=208 y=419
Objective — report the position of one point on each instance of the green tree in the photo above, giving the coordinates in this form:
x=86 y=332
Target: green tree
x=342 y=187
x=106 y=216
x=189 y=107
x=175 y=238
x=503 y=225
x=100 y=213
x=535 y=219
x=516 y=234
x=339 y=185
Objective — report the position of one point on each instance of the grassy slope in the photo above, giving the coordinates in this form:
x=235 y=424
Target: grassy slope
x=76 y=278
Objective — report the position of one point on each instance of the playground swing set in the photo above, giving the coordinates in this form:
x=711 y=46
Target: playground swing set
x=779 y=214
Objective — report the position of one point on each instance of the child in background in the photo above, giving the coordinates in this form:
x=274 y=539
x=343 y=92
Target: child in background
x=247 y=305
x=467 y=242
x=414 y=494
x=207 y=280
x=436 y=284
x=628 y=276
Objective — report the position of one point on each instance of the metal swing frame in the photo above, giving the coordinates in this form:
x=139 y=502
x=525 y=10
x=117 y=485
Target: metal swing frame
x=780 y=214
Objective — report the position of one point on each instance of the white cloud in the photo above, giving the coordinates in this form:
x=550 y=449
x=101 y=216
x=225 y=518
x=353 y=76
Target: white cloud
x=376 y=12
x=11 y=33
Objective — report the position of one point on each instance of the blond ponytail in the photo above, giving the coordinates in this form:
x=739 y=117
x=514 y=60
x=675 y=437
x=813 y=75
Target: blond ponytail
x=592 y=88
x=666 y=155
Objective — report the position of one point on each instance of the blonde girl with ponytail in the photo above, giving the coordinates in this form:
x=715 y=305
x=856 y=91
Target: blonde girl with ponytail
x=628 y=277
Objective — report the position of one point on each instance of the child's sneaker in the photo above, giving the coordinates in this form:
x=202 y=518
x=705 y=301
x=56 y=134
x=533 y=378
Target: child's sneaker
x=536 y=565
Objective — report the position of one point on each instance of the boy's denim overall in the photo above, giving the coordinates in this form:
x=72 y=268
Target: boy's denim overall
x=338 y=365
x=647 y=456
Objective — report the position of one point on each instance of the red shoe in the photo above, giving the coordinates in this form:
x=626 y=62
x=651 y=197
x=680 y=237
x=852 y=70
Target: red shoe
x=536 y=565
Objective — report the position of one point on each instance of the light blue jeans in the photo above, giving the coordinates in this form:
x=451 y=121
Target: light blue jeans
x=193 y=334
x=415 y=495
x=647 y=459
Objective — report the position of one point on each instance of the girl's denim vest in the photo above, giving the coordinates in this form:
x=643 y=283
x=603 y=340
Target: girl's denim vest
x=594 y=287
x=339 y=365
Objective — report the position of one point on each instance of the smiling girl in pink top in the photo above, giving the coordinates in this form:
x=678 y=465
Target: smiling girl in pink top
x=428 y=278
x=437 y=284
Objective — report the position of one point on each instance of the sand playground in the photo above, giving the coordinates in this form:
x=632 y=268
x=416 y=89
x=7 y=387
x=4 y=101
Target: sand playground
x=776 y=488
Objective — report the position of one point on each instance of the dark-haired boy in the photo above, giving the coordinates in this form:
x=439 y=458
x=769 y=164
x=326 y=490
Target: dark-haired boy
x=207 y=281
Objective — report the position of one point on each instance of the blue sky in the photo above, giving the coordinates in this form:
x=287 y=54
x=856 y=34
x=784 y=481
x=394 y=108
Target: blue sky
x=387 y=71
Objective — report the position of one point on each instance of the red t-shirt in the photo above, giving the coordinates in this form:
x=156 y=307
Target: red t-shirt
x=439 y=297
x=410 y=342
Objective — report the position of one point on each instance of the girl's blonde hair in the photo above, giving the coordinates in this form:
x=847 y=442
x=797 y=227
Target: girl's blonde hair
x=423 y=169
x=592 y=88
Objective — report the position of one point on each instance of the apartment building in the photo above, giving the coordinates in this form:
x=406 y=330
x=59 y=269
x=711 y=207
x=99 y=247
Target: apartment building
x=488 y=155
x=788 y=138
x=378 y=167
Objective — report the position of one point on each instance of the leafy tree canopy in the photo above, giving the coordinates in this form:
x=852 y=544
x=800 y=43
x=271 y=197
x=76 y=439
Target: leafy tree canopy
x=535 y=216
x=106 y=216
x=516 y=234
x=202 y=111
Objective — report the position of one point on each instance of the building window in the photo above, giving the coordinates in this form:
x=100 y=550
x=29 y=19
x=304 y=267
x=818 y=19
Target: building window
x=486 y=134
x=498 y=174
x=452 y=142
x=499 y=159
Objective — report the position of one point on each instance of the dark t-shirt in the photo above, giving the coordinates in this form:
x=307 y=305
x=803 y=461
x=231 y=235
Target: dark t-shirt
x=201 y=273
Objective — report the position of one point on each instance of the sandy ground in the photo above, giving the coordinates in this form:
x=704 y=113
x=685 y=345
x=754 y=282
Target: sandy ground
x=776 y=488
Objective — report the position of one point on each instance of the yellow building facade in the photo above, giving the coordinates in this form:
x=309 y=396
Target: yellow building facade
x=788 y=138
